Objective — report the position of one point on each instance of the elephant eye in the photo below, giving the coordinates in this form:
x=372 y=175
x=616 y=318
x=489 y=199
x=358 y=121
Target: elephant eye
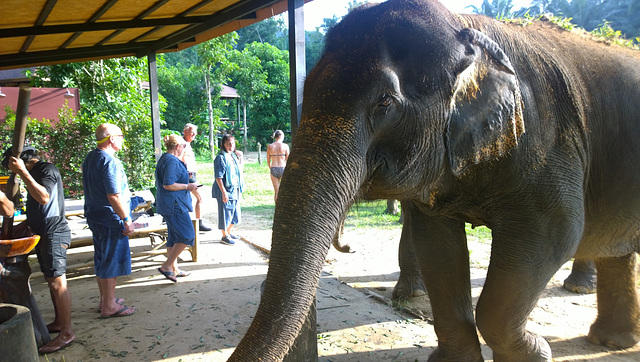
x=385 y=101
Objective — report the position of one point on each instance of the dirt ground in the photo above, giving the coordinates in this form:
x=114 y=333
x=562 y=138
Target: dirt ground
x=203 y=316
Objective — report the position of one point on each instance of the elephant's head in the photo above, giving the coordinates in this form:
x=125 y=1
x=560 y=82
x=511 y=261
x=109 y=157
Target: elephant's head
x=405 y=97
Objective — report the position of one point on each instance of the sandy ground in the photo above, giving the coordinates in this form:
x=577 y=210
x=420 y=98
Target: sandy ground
x=203 y=316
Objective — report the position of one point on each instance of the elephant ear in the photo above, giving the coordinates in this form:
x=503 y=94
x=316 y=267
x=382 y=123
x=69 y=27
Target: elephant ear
x=486 y=108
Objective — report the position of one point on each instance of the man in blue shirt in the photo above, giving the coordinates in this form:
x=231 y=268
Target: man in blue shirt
x=107 y=209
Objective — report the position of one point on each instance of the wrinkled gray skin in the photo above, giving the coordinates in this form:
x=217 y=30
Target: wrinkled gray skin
x=582 y=279
x=528 y=129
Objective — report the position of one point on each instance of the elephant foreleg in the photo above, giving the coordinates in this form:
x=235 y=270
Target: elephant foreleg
x=410 y=282
x=441 y=249
x=618 y=322
x=582 y=278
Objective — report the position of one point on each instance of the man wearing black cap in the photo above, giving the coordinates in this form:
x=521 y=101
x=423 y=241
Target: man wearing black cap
x=45 y=216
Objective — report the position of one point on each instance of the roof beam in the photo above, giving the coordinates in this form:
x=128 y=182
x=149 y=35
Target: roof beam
x=108 y=25
x=48 y=56
x=44 y=14
x=224 y=16
x=195 y=7
x=103 y=9
x=182 y=14
x=140 y=16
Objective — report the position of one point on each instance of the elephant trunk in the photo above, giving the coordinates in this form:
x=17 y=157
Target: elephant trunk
x=317 y=189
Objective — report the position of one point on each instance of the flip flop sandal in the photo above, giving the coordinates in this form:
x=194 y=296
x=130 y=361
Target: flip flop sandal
x=169 y=275
x=40 y=350
x=120 y=313
x=118 y=301
x=182 y=274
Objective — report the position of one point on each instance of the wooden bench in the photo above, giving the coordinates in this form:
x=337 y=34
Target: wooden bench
x=156 y=233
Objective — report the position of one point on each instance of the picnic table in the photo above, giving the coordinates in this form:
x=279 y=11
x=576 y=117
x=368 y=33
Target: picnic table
x=148 y=226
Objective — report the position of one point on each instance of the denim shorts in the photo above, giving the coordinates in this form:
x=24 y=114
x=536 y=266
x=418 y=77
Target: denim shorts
x=52 y=253
x=111 y=256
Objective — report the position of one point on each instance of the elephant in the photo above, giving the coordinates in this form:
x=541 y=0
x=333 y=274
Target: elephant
x=527 y=128
x=582 y=279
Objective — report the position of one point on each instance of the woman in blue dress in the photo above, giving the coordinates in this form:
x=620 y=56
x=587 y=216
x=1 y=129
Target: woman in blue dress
x=173 y=202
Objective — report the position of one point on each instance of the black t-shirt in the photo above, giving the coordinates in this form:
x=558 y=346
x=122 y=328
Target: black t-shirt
x=47 y=219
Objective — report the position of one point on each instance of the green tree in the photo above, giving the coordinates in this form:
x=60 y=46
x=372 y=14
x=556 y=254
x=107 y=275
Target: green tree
x=272 y=111
x=64 y=143
x=214 y=56
x=111 y=91
x=185 y=58
x=496 y=9
x=251 y=82
x=184 y=90
x=271 y=30
x=622 y=15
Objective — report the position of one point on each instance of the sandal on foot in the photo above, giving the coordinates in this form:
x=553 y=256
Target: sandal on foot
x=45 y=350
x=182 y=274
x=168 y=274
x=118 y=301
x=120 y=313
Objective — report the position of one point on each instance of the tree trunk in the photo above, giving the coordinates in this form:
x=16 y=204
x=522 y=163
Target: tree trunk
x=207 y=82
x=244 y=126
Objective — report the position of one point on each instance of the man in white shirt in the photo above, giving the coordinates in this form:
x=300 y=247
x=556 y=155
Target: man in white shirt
x=189 y=158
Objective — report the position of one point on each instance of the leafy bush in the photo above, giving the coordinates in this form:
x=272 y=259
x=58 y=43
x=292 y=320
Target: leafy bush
x=65 y=144
x=110 y=92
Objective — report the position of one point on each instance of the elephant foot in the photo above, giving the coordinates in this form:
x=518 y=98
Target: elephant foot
x=440 y=356
x=616 y=338
x=409 y=287
x=580 y=283
x=540 y=352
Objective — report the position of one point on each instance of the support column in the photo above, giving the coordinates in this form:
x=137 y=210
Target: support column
x=155 y=107
x=305 y=347
x=297 y=60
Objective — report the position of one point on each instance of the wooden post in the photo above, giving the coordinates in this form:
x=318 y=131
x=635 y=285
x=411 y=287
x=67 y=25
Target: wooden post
x=12 y=189
x=196 y=242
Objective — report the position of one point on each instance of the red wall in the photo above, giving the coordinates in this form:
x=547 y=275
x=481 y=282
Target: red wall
x=44 y=103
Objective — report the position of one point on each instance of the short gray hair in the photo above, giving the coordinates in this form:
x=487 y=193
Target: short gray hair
x=190 y=125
